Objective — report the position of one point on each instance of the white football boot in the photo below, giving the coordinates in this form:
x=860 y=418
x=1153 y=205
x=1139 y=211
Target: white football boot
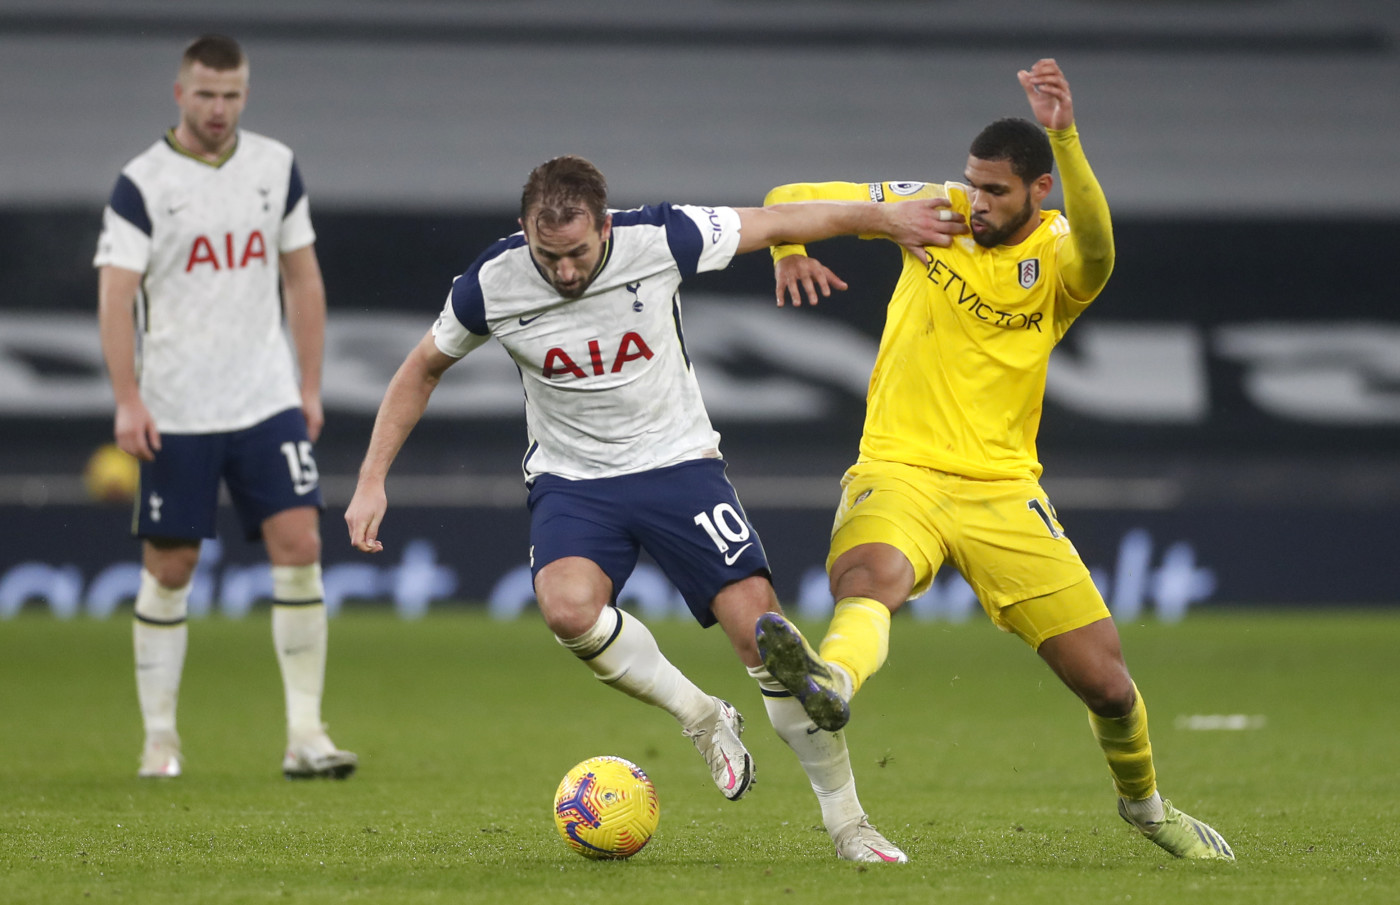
x=160 y=757
x=859 y=841
x=317 y=757
x=729 y=761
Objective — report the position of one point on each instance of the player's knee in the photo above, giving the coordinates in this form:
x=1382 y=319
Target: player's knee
x=875 y=578
x=299 y=548
x=571 y=593
x=170 y=565
x=1110 y=697
x=568 y=611
x=572 y=622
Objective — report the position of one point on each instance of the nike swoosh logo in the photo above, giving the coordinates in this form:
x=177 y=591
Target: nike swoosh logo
x=530 y=320
x=730 y=558
x=176 y=207
x=889 y=859
x=814 y=730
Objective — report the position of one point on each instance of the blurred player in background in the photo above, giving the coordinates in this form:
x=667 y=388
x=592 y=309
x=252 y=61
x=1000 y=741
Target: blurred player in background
x=198 y=228
x=947 y=468
x=621 y=453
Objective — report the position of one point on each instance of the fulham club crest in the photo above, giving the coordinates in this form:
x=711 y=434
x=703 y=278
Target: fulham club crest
x=1028 y=271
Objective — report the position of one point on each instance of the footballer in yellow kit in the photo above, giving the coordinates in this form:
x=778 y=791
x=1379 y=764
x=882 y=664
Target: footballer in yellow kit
x=948 y=470
x=955 y=401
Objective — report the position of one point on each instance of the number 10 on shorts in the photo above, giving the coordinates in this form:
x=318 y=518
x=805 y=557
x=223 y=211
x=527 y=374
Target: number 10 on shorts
x=724 y=525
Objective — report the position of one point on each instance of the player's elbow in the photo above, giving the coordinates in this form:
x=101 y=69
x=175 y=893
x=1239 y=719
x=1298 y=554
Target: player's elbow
x=785 y=194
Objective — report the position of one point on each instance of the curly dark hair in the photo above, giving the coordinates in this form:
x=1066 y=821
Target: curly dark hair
x=1020 y=141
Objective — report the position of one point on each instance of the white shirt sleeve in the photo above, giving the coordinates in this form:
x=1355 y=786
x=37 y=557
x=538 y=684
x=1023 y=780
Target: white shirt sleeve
x=451 y=337
x=719 y=235
x=122 y=244
x=296 y=227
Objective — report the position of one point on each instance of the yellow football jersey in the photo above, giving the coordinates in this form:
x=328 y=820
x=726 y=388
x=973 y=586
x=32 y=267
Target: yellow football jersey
x=959 y=380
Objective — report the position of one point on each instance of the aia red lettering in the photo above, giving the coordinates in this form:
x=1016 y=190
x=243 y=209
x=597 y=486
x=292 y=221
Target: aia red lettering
x=630 y=341
x=202 y=252
x=558 y=363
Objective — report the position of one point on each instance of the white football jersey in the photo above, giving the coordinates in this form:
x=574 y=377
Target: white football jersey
x=609 y=388
x=212 y=355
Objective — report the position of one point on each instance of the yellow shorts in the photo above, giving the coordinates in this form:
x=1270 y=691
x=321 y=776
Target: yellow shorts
x=1002 y=536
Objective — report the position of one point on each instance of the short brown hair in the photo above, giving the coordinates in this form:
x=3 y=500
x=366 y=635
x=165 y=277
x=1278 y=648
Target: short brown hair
x=561 y=190
x=218 y=52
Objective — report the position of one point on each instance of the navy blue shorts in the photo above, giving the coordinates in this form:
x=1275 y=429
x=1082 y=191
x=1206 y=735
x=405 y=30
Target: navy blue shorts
x=268 y=468
x=687 y=517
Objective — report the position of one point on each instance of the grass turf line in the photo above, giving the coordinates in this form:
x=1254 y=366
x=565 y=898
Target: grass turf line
x=967 y=751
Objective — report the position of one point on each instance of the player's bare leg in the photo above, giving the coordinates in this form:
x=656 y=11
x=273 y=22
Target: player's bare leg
x=160 y=637
x=573 y=594
x=823 y=755
x=1089 y=660
x=300 y=634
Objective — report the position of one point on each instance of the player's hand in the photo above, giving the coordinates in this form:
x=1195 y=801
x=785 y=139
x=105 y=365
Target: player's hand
x=315 y=415
x=135 y=431
x=923 y=222
x=797 y=274
x=1047 y=89
x=364 y=514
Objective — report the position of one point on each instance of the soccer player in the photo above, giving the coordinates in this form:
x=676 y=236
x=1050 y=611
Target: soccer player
x=198 y=228
x=947 y=469
x=621 y=453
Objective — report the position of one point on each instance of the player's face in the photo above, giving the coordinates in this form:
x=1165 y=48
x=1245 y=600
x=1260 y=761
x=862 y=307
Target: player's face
x=210 y=102
x=568 y=256
x=1004 y=209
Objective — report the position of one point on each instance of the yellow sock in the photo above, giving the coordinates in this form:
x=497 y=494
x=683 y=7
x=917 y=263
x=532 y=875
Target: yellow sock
x=858 y=639
x=1128 y=750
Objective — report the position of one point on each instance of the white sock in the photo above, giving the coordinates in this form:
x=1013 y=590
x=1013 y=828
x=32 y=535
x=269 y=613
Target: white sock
x=622 y=652
x=299 y=632
x=159 y=637
x=844 y=680
x=1146 y=810
x=823 y=755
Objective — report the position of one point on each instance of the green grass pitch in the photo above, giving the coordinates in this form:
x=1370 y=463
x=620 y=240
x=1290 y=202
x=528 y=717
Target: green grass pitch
x=967 y=751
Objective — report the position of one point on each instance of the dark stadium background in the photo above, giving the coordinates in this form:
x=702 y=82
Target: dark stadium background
x=1222 y=427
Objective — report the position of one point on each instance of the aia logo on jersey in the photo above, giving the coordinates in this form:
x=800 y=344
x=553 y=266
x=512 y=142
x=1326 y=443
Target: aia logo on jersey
x=205 y=251
x=558 y=363
x=1028 y=271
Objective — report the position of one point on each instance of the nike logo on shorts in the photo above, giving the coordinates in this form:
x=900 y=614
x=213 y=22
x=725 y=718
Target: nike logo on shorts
x=731 y=558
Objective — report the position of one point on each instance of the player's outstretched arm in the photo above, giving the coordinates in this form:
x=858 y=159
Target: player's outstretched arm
x=913 y=224
x=403 y=404
x=304 y=295
x=1086 y=261
x=133 y=427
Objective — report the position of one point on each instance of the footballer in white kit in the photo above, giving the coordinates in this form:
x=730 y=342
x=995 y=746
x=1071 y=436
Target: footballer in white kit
x=610 y=393
x=206 y=239
x=622 y=456
x=213 y=356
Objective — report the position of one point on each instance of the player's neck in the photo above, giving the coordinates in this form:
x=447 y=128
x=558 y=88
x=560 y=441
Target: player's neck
x=187 y=142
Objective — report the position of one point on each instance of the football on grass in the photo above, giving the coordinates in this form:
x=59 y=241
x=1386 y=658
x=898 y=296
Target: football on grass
x=606 y=807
